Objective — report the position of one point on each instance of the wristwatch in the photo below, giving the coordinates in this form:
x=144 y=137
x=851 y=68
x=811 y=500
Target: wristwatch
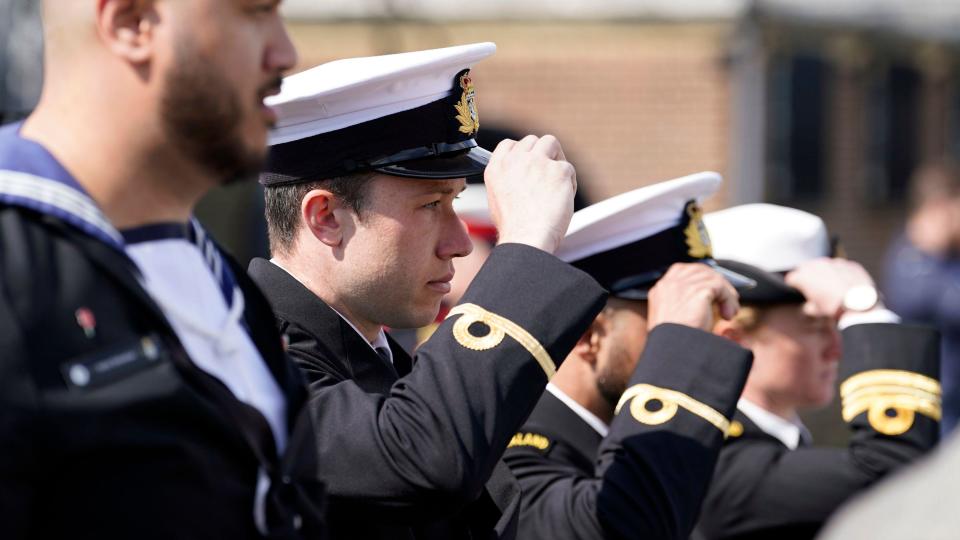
x=861 y=298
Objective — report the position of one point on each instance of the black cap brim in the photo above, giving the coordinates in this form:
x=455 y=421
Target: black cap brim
x=739 y=281
x=770 y=287
x=445 y=167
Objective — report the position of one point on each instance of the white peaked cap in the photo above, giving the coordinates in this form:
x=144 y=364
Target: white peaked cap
x=770 y=237
x=633 y=215
x=628 y=242
x=348 y=92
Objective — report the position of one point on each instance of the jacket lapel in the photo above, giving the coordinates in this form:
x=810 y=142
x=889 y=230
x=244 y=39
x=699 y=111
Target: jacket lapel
x=293 y=302
x=556 y=418
x=402 y=362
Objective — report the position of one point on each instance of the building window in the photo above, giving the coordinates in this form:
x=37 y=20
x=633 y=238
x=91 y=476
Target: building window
x=894 y=132
x=797 y=104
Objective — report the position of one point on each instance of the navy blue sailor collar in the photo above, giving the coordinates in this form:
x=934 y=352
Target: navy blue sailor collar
x=31 y=177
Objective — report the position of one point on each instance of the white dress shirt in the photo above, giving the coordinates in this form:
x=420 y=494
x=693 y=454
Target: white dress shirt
x=176 y=275
x=591 y=419
x=787 y=432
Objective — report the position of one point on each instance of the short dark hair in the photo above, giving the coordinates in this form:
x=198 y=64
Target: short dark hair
x=934 y=181
x=282 y=204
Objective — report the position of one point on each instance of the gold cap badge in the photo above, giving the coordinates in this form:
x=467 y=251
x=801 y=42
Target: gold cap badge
x=467 y=106
x=696 y=233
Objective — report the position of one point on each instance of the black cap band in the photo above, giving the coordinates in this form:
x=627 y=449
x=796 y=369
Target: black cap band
x=631 y=269
x=431 y=130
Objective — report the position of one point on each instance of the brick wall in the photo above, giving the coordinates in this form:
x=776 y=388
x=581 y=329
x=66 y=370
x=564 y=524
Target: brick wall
x=633 y=103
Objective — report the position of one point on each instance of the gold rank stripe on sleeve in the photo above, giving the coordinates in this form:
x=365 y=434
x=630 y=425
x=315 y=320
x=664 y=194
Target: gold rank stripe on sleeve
x=891 y=399
x=498 y=327
x=670 y=402
x=534 y=440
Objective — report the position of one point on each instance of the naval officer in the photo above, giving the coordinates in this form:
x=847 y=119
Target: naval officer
x=812 y=321
x=367 y=159
x=623 y=443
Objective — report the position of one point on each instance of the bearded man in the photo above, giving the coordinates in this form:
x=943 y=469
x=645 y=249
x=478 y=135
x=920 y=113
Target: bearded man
x=144 y=392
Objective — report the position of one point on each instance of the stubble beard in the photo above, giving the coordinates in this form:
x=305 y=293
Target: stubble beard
x=613 y=377
x=202 y=117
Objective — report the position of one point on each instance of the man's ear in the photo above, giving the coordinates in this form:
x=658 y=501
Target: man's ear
x=588 y=346
x=317 y=210
x=128 y=28
x=727 y=329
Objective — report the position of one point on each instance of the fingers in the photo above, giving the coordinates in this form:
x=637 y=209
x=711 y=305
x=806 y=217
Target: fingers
x=565 y=169
x=722 y=293
x=504 y=147
x=727 y=299
x=550 y=147
x=527 y=143
x=693 y=294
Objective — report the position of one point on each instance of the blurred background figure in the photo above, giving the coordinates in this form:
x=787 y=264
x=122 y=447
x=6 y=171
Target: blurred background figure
x=807 y=311
x=923 y=271
x=918 y=502
x=21 y=58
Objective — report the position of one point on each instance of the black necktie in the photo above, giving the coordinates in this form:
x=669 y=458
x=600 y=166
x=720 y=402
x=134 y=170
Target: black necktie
x=385 y=354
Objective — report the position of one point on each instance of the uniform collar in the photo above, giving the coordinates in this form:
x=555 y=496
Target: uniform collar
x=379 y=342
x=591 y=419
x=32 y=178
x=791 y=434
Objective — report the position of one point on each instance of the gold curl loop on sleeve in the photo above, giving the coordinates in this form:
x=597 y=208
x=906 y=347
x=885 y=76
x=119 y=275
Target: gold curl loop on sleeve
x=670 y=401
x=891 y=399
x=499 y=327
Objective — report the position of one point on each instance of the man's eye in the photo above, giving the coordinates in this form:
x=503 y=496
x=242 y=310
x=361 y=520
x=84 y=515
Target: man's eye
x=264 y=7
x=434 y=204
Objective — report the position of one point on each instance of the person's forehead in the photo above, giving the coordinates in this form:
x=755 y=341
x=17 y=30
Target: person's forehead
x=627 y=306
x=420 y=186
x=793 y=316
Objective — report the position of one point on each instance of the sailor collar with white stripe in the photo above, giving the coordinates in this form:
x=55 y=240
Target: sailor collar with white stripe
x=31 y=177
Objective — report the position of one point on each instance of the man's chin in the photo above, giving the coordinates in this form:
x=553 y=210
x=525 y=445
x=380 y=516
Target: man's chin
x=417 y=319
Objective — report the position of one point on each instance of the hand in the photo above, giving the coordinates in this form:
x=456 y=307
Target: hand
x=824 y=282
x=687 y=295
x=932 y=228
x=530 y=189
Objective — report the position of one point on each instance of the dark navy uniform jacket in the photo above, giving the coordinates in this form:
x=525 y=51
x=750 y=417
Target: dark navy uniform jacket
x=107 y=428
x=762 y=489
x=648 y=476
x=417 y=455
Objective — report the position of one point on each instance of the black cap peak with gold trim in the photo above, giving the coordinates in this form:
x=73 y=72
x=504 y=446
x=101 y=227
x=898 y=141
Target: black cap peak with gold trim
x=411 y=115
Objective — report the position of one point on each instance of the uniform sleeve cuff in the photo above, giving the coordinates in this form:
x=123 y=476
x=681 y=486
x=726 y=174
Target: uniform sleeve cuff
x=869 y=317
